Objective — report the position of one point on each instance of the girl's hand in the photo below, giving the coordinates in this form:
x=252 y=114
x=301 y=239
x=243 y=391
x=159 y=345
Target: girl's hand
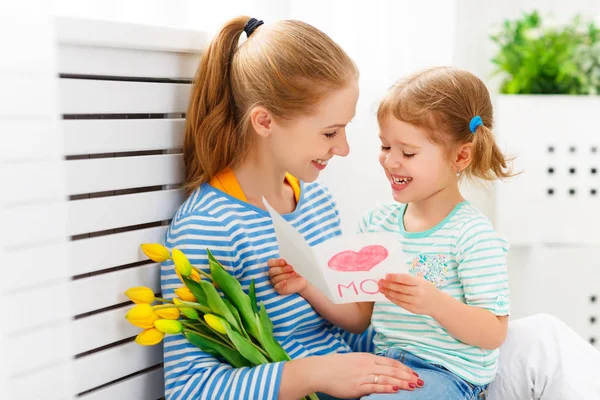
x=283 y=277
x=413 y=293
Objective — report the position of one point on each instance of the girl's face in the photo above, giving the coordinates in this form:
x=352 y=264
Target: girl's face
x=304 y=145
x=416 y=167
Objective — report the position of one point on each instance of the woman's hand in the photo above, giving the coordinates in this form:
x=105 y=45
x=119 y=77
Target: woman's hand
x=349 y=375
x=283 y=277
x=360 y=374
x=412 y=293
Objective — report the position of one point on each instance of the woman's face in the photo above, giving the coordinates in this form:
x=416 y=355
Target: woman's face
x=304 y=145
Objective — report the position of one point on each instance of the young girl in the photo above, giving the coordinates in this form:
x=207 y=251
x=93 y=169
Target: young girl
x=447 y=318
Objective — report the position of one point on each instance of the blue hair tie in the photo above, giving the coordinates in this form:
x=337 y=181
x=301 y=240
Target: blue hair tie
x=475 y=122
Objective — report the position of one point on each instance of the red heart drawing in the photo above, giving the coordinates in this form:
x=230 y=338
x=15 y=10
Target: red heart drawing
x=351 y=261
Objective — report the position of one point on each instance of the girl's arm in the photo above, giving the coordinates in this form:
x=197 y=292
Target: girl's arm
x=352 y=317
x=483 y=320
x=472 y=325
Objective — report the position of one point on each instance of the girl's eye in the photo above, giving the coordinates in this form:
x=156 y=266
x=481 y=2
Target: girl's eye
x=385 y=148
x=408 y=155
x=331 y=135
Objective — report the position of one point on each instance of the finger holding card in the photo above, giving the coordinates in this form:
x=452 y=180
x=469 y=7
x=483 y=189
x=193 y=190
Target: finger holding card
x=413 y=293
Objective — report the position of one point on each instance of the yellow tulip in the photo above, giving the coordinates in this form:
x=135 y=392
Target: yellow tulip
x=168 y=326
x=185 y=294
x=216 y=323
x=182 y=264
x=195 y=276
x=168 y=313
x=142 y=316
x=188 y=312
x=149 y=337
x=156 y=252
x=140 y=295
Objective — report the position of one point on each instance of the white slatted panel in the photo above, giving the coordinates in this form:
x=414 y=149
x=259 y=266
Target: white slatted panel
x=117 y=249
x=105 y=290
x=127 y=62
x=33 y=181
x=30 y=139
x=86 y=96
x=122 y=135
x=35 y=330
x=98 y=368
x=123 y=91
x=148 y=385
x=38 y=348
x=101 y=329
x=34 y=259
x=49 y=382
x=35 y=224
x=119 y=211
x=123 y=173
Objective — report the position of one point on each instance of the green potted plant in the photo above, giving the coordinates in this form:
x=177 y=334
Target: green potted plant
x=546 y=114
x=535 y=58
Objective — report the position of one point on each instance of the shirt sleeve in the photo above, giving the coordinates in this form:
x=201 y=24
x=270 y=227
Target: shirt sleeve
x=189 y=372
x=482 y=267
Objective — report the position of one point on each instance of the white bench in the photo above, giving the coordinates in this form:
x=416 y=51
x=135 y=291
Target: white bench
x=122 y=95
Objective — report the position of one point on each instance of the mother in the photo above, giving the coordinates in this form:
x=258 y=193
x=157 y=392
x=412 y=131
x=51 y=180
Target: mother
x=265 y=117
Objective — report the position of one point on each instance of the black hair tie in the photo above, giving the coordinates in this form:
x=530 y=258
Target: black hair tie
x=251 y=26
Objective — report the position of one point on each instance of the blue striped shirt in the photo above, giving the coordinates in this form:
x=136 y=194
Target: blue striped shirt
x=242 y=238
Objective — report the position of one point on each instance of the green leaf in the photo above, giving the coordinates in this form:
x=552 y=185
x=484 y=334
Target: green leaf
x=252 y=295
x=236 y=314
x=268 y=341
x=196 y=290
x=245 y=347
x=235 y=294
x=212 y=347
x=535 y=59
x=216 y=303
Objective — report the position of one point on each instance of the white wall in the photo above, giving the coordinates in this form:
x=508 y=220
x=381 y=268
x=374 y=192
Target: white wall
x=473 y=50
x=34 y=333
x=387 y=39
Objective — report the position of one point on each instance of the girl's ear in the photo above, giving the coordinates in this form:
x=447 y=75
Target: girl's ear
x=463 y=156
x=261 y=121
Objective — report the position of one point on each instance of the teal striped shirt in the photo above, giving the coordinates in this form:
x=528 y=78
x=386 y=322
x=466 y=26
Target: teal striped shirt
x=462 y=256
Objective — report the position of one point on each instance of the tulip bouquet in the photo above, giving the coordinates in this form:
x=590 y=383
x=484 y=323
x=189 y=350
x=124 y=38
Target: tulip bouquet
x=233 y=328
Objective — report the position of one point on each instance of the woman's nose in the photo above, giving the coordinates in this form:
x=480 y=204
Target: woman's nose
x=341 y=147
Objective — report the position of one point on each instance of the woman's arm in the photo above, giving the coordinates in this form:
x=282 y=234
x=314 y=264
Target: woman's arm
x=349 y=375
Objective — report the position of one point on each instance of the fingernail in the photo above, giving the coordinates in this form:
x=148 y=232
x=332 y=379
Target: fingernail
x=396 y=388
x=420 y=382
x=415 y=374
x=412 y=385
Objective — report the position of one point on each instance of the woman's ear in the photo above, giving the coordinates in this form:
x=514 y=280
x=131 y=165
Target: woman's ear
x=261 y=121
x=463 y=156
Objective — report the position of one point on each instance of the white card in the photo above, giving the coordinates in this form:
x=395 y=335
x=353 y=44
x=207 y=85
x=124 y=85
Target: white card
x=345 y=268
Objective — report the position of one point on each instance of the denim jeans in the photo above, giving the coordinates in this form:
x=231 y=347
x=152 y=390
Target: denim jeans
x=439 y=382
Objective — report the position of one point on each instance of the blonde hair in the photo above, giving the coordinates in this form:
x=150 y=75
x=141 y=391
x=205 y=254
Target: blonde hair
x=443 y=100
x=286 y=67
